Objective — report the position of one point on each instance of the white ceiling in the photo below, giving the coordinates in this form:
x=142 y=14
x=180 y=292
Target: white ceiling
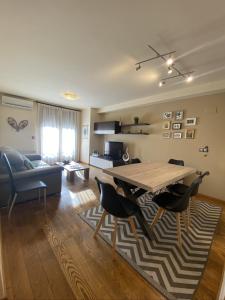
x=90 y=47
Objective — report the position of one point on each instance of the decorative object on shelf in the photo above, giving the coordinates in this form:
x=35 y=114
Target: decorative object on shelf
x=189 y=133
x=22 y=124
x=136 y=120
x=167 y=115
x=166 y=125
x=84 y=132
x=137 y=132
x=190 y=121
x=177 y=135
x=176 y=126
x=126 y=156
x=168 y=58
x=166 y=135
x=95 y=153
x=179 y=115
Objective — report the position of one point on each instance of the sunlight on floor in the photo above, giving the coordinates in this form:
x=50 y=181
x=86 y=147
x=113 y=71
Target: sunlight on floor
x=82 y=198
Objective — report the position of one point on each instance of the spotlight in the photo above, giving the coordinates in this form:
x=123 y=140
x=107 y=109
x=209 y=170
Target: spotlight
x=170 y=70
x=169 y=61
x=138 y=67
x=189 y=78
x=161 y=83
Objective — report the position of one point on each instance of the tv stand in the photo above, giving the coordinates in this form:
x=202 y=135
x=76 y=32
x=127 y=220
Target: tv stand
x=103 y=161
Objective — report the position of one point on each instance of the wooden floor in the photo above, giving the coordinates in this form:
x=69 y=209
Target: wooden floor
x=53 y=255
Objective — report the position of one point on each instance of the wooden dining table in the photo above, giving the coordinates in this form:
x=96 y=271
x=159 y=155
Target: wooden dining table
x=151 y=176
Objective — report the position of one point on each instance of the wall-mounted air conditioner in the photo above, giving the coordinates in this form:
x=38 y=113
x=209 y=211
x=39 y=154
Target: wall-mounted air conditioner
x=17 y=102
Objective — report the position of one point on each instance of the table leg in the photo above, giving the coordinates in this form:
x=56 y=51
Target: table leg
x=144 y=224
x=86 y=174
x=70 y=176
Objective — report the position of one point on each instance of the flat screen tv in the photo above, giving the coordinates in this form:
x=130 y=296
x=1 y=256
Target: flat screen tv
x=114 y=150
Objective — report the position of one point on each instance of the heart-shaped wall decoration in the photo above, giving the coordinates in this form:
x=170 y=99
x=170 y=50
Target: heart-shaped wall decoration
x=22 y=124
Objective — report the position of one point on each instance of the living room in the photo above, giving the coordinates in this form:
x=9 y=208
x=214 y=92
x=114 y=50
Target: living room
x=112 y=150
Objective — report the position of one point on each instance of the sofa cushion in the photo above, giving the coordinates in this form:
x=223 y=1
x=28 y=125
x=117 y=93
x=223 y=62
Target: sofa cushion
x=39 y=164
x=18 y=161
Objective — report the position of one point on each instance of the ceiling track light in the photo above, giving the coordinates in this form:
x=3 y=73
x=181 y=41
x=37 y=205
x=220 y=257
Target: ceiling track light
x=158 y=55
x=166 y=57
x=188 y=77
x=170 y=70
x=138 y=67
x=161 y=83
x=169 y=61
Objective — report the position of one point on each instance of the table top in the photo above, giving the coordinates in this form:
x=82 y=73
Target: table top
x=150 y=176
x=73 y=166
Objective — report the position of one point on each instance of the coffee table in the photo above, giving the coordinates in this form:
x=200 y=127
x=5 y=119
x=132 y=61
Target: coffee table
x=74 y=167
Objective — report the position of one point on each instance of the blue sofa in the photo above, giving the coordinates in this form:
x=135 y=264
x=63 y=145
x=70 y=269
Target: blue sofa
x=27 y=167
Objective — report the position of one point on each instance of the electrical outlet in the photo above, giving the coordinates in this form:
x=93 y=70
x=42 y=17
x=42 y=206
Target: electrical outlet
x=204 y=149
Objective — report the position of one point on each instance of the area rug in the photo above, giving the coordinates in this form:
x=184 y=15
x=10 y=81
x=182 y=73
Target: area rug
x=175 y=273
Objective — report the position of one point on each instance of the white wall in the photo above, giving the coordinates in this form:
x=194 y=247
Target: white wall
x=25 y=139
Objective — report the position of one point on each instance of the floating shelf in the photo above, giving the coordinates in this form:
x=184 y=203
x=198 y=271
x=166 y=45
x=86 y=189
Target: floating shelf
x=139 y=124
x=137 y=133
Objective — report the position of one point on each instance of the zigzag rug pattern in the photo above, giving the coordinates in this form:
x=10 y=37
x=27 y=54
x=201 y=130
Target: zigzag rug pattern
x=174 y=272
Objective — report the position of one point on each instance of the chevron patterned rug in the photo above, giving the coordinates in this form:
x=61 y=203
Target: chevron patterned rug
x=175 y=273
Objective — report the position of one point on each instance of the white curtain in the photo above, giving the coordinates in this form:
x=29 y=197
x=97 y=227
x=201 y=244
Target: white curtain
x=58 y=133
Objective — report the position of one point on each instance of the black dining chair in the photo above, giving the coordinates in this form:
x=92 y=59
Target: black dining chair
x=135 y=161
x=17 y=188
x=176 y=162
x=177 y=204
x=129 y=190
x=117 y=206
x=181 y=188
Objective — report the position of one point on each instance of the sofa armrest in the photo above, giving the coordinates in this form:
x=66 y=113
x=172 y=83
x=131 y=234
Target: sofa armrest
x=33 y=156
x=38 y=171
x=32 y=173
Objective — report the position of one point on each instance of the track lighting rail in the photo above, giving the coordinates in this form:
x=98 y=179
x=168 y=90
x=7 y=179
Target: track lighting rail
x=178 y=75
x=167 y=57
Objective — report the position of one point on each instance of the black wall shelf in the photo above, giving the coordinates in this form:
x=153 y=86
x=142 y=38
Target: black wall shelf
x=137 y=133
x=139 y=124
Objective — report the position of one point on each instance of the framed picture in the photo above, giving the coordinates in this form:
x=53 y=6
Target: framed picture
x=167 y=115
x=190 y=121
x=166 y=125
x=84 y=131
x=177 y=135
x=176 y=126
x=179 y=115
x=189 y=133
x=166 y=135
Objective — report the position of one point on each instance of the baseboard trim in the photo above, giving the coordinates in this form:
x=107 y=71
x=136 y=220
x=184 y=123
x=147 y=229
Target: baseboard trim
x=209 y=198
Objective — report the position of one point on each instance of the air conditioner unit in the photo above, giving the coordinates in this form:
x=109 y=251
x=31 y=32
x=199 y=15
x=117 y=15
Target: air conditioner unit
x=17 y=102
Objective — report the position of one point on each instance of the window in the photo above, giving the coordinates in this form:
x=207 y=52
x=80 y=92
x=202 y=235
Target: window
x=58 y=139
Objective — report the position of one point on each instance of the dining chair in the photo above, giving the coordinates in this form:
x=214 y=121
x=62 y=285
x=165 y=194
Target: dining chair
x=116 y=205
x=176 y=162
x=176 y=203
x=135 y=161
x=129 y=190
x=180 y=189
x=17 y=188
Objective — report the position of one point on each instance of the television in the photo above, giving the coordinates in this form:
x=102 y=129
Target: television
x=114 y=150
